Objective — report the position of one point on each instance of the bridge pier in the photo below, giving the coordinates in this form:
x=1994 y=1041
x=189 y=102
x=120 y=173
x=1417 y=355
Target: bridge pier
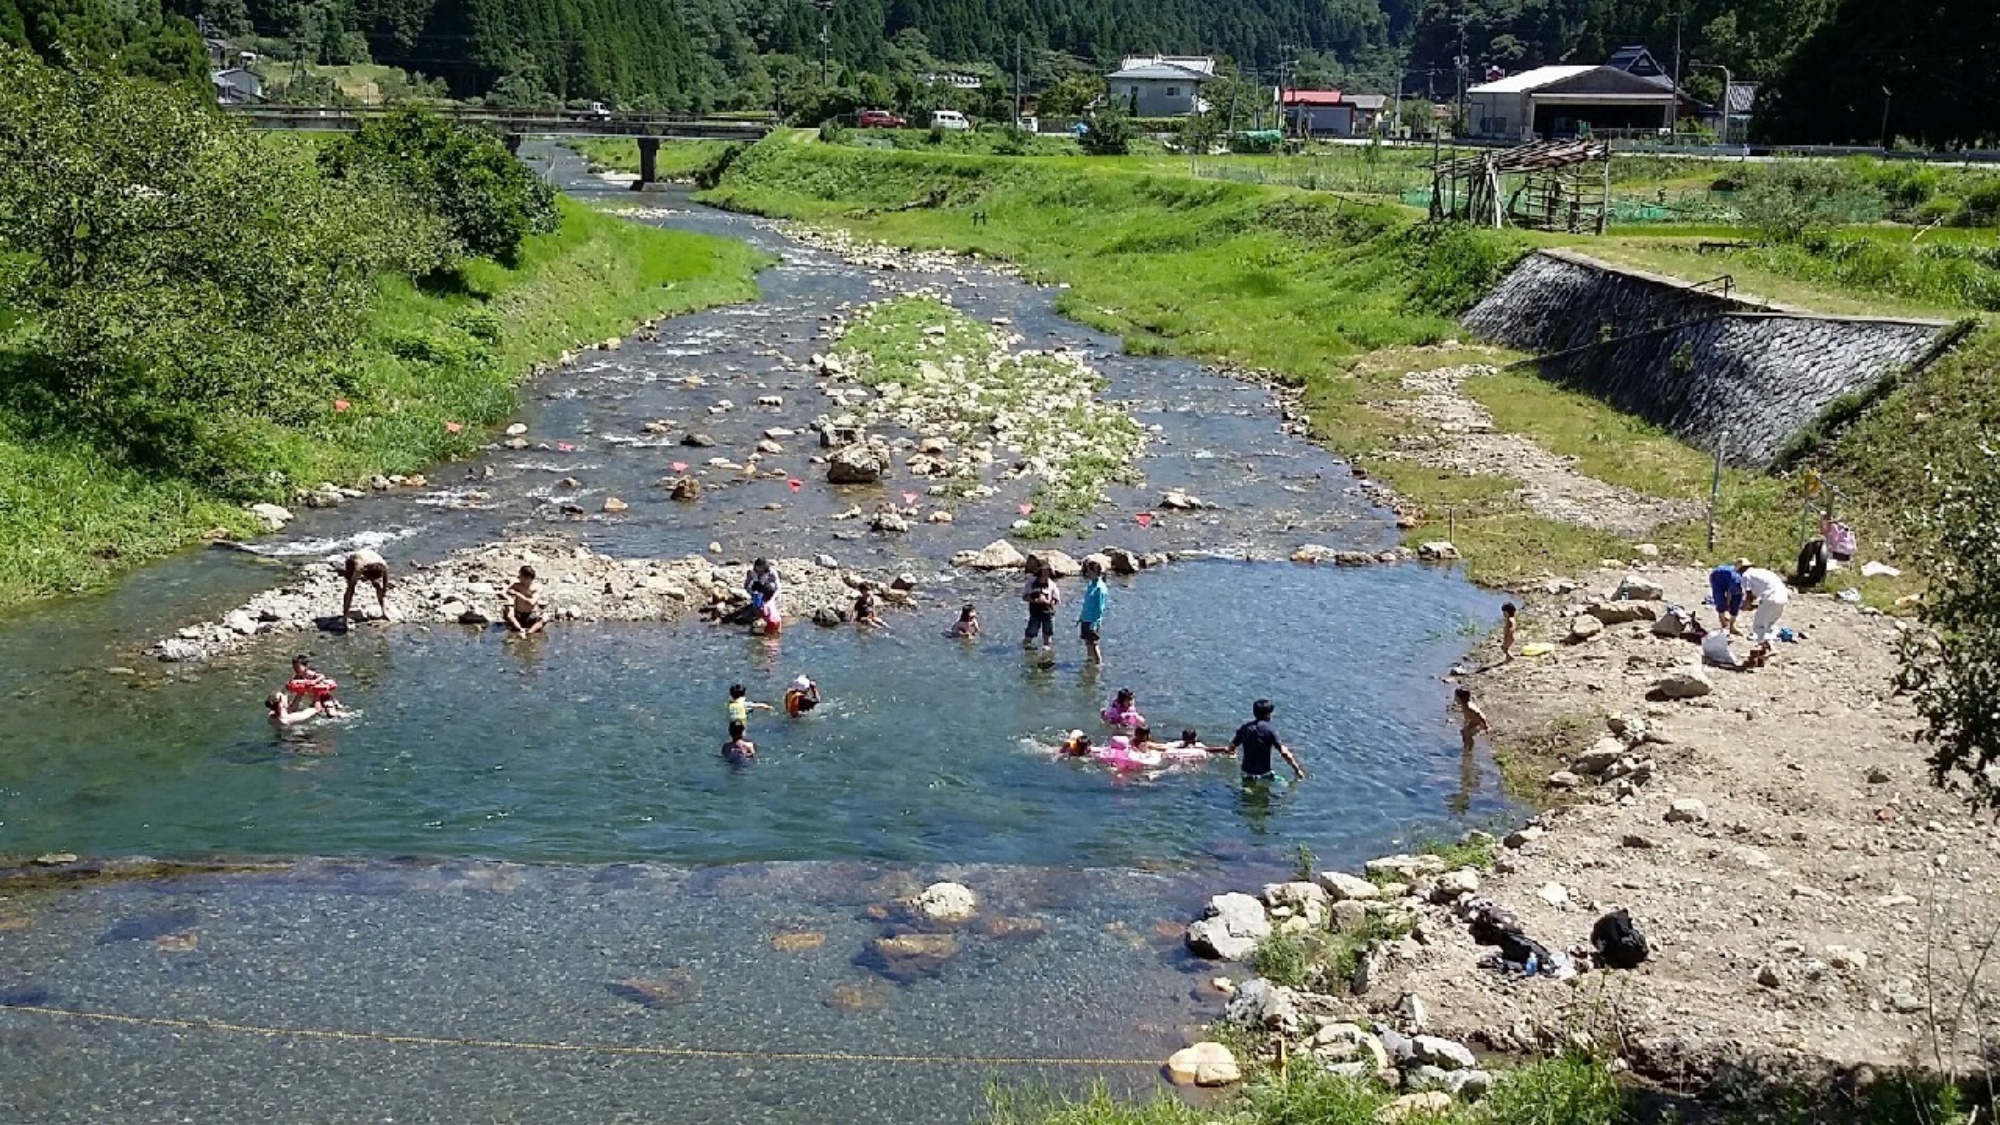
x=649 y=162
x=513 y=142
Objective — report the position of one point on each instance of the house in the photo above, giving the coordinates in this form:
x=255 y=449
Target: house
x=1161 y=85
x=953 y=81
x=1368 y=109
x=236 y=86
x=1316 y=113
x=1640 y=63
x=1566 y=101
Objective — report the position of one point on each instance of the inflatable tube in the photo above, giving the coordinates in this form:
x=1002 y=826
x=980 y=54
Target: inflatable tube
x=1112 y=716
x=1537 y=649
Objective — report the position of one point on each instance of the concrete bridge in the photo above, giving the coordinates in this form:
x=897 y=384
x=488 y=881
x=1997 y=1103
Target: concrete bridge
x=647 y=129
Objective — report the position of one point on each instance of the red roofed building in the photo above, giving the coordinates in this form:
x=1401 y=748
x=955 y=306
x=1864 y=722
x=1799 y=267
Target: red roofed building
x=1330 y=113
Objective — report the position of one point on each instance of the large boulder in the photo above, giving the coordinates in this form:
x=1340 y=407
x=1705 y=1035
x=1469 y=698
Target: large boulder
x=1342 y=886
x=910 y=956
x=1260 y=1005
x=1307 y=901
x=1582 y=629
x=1230 y=928
x=273 y=517
x=1204 y=1064
x=1602 y=755
x=1057 y=563
x=1443 y=1053
x=1406 y=868
x=857 y=464
x=997 y=555
x=1637 y=589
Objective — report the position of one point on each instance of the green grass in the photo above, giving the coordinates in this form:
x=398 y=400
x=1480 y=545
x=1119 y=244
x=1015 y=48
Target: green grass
x=73 y=517
x=988 y=142
x=678 y=161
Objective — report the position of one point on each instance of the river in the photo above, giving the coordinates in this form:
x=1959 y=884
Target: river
x=507 y=832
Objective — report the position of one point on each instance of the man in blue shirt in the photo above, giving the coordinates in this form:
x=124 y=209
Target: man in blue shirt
x=1096 y=598
x=1725 y=586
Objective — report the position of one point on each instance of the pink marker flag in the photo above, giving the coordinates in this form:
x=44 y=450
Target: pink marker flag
x=680 y=466
x=565 y=447
x=340 y=406
x=1027 y=509
x=452 y=427
x=795 y=484
x=1145 y=519
x=909 y=497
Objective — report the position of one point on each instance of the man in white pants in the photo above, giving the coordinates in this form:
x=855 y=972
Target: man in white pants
x=1768 y=592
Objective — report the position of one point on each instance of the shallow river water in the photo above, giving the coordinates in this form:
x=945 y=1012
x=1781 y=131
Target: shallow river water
x=589 y=756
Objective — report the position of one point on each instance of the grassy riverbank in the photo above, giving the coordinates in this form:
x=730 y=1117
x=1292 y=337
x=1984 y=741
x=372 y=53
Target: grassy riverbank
x=678 y=161
x=73 y=513
x=1337 y=297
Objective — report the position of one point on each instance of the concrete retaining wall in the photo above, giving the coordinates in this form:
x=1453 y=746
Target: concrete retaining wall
x=1697 y=364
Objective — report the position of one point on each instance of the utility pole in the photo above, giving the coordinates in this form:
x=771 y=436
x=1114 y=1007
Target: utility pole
x=1885 y=119
x=1396 y=108
x=1680 y=18
x=825 y=36
x=1017 y=80
x=1463 y=62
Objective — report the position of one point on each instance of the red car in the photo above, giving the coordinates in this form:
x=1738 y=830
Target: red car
x=881 y=119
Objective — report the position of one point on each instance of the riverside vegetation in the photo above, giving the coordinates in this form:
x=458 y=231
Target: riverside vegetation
x=1342 y=298
x=192 y=319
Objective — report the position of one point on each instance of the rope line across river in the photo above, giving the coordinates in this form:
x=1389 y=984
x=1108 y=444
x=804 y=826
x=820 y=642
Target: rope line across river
x=641 y=1050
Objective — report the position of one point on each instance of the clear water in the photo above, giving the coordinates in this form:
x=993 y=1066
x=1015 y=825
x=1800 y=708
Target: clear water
x=598 y=746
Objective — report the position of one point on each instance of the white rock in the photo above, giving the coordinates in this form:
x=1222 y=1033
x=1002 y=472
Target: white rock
x=946 y=902
x=1443 y=1053
x=273 y=516
x=1437 y=550
x=1554 y=894
x=1230 y=928
x=517 y=429
x=1453 y=885
x=1203 y=1064
x=1341 y=886
x=997 y=555
x=1687 y=810
x=1405 y=866
x=1688 y=683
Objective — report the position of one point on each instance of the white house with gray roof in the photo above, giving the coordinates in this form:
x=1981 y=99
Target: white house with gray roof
x=1161 y=85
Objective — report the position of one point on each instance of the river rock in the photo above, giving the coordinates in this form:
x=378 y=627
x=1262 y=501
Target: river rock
x=905 y=581
x=856 y=464
x=910 y=956
x=1340 y=886
x=1305 y=900
x=1122 y=561
x=614 y=505
x=1177 y=500
x=826 y=617
x=697 y=441
x=273 y=517
x=1687 y=810
x=769 y=448
x=1259 y=1004
x=1443 y=1053
x=1405 y=867
x=1204 y=1064
x=946 y=902
x=1437 y=550
x=1637 y=589
x=1426 y=1104
x=1349 y=915
x=1619 y=613
x=1057 y=563
x=889 y=523
x=997 y=555
x=1602 y=755
x=1582 y=629
x=241 y=622
x=1689 y=683
x=1230 y=928
x=1454 y=885
x=685 y=489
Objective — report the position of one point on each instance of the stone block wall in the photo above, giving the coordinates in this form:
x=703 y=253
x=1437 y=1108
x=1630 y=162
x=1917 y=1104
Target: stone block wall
x=1704 y=367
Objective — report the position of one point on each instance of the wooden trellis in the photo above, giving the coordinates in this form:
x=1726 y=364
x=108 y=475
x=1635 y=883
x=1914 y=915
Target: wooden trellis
x=1546 y=185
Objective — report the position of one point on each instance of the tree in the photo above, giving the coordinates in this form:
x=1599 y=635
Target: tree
x=487 y=200
x=1071 y=96
x=1951 y=666
x=1790 y=200
x=1110 y=133
x=186 y=289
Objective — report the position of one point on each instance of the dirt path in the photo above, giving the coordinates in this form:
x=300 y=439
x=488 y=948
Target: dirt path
x=1464 y=442
x=1822 y=907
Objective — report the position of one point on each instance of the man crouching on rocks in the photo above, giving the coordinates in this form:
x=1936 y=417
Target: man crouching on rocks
x=366 y=565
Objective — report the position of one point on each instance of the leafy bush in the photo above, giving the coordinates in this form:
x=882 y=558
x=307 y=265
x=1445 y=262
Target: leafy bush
x=1790 y=199
x=1452 y=265
x=1953 y=664
x=487 y=200
x=1110 y=134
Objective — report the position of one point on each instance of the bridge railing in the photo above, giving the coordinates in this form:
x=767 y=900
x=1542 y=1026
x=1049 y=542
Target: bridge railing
x=342 y=117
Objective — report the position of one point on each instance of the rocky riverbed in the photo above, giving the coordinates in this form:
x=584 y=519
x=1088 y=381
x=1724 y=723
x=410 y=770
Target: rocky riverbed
x=1815 y=909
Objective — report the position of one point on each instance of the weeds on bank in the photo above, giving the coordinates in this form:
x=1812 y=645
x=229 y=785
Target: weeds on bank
x=1475 y=852
x=1323 y=960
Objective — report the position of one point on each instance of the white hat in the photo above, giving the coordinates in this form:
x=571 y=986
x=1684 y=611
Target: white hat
x=802 y=683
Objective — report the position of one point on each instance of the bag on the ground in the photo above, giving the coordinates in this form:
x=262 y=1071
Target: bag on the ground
x=1618 y=942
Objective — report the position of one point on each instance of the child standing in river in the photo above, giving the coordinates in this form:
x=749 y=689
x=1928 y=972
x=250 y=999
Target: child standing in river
x=1042 y=598
x=1472 y=720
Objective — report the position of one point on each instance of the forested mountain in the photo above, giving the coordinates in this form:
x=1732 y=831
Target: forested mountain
x=132 y=36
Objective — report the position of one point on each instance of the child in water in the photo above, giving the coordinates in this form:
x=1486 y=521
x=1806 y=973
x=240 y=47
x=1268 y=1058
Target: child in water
x=1123 y=710
x=866 y=615
x=967 y=625
x=307 y=683
x=738 y=750
x=1075 y=745
x=740 y=705
x=281 y=714
x=801 y=697
x=1472 y=720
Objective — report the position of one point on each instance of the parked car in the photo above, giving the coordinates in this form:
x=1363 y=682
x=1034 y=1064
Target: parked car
x=949 y=119
x=595 y=111
x=881 y=119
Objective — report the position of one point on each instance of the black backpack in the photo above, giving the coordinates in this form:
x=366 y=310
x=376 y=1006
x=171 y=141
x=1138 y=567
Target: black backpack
x=1618 y=942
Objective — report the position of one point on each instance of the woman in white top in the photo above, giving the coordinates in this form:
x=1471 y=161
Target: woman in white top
x=1768 y=593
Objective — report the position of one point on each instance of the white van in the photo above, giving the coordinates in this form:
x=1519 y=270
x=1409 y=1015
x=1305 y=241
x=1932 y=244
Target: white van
x=949 y=119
